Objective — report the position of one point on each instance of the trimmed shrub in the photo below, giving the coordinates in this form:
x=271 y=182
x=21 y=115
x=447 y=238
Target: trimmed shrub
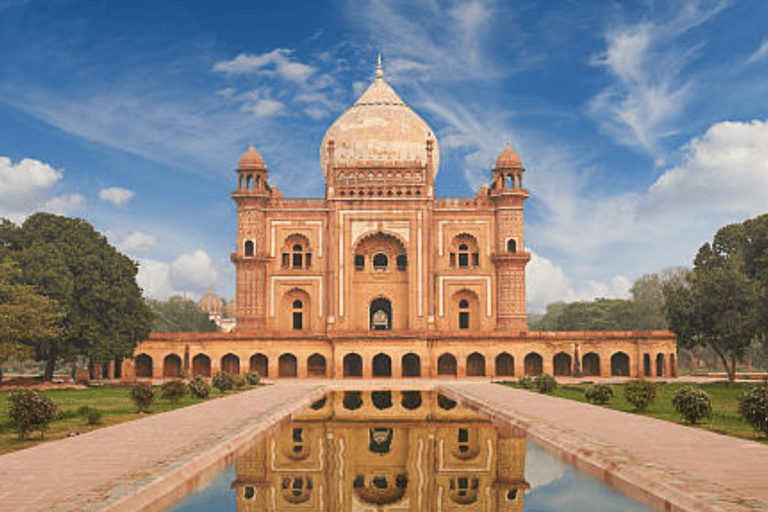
x=526 y=382
x=143 y=394
x=599 y=393
x=252 y=378
x=199 y=387
x=692 y=403
x=29 y=410
x=753 y=408
x=545 y=383
x=93 y=417
x=223 y=382
x=240 y=381
x=174 y=390
x=640 y=393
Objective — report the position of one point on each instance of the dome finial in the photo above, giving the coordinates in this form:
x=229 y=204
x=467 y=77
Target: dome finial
x=379 y=70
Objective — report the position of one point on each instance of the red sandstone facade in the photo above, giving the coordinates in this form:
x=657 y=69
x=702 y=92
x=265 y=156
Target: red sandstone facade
x=381 y=278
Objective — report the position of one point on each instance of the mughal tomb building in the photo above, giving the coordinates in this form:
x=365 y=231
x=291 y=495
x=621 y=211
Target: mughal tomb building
x=383 y=278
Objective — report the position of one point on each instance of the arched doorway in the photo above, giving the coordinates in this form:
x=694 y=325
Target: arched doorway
x=533 y=364
x=316 y=366
x=475 y=365
x=505 y=365
x=172 y=366
x=620 y=364
x=672 y=366
x=647 y=365
x=446 y=365
x=561 y=364
x=143 y=366
x=411 y=364
x=353 y=365
x=230 y=364
x=590 y=365
x=382 y=365
x=260 y=364
x=380 y=315
x=286 y=366
x=201 y=366
x=660 y=365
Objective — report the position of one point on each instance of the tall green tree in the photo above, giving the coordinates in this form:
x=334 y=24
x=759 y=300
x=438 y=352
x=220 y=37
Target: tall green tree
x=179 y=314
x=95 y=285
x=719 y=304
x=26 y=317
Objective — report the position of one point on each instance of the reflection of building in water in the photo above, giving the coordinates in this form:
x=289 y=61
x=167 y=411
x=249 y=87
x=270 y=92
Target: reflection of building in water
x=384 y=451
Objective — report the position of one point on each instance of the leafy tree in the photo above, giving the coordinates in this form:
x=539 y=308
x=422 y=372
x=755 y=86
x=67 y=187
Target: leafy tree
x=718 y=304
x=600 y=315
x=179 y=314
x=94 y=284
x=26 y=317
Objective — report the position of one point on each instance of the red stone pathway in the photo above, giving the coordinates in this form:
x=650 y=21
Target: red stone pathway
x=38 y=477
x=737 y=465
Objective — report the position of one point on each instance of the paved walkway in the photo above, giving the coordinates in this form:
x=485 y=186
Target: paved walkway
x=738 y=466
x=61 y=471
x=97 y=470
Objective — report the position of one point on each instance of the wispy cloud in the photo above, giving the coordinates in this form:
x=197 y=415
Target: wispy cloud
x=647 y=60
x=760 y=54
x=277 y=63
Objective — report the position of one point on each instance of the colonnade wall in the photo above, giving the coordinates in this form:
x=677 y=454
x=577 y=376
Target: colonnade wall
x=405 y=355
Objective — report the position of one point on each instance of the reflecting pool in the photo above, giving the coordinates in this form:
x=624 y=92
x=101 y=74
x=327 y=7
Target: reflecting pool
x=399 y=451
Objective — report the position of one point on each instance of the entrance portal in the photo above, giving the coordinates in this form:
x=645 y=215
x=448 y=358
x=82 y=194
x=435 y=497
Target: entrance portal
x=382 y=366
x=381 y=315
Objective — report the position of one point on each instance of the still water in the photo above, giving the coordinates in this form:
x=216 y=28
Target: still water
x=400 y=451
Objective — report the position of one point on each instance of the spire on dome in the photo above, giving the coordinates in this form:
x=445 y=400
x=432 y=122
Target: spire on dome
x=379 y=70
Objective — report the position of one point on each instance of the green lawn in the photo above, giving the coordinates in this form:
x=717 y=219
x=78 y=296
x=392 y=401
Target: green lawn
x=724 y=419
x=114 y=402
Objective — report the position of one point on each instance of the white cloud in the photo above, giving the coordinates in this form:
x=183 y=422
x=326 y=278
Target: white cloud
x=264 y=108
x=275 y=63
x=116 y=195
x=139 y=242
x=546 y=282
x=25 y=187
x=726 y=169
x=64 y=205
x=191 y=273
x=23 y=183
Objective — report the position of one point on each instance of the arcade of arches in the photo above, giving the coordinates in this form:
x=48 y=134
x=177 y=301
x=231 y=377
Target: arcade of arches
x=381 y=278
x=564 y=354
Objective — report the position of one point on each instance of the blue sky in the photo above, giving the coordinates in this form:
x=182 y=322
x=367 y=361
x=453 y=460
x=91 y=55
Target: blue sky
x=641 y=124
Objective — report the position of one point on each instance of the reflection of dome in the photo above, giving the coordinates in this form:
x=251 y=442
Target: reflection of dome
x=508 y=159
x=211 y=303
x=251 y=159
x=379 y=129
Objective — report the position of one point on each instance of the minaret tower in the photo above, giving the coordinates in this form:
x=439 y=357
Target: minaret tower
x=252 y=196
x=509 y=256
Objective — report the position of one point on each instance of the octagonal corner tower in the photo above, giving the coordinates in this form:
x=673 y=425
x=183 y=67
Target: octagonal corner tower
x=379 y=140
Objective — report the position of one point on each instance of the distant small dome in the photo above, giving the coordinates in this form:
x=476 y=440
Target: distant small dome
x=251 y=159
x=508 y=159
x=211 y=303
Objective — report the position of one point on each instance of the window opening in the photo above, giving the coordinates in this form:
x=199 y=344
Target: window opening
x=380 y=262
x=463 y=256
x=286 y=260
x=402 y=263
x=511 y=245
x=249 y=248
x=359 y=262
x=297 y=256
